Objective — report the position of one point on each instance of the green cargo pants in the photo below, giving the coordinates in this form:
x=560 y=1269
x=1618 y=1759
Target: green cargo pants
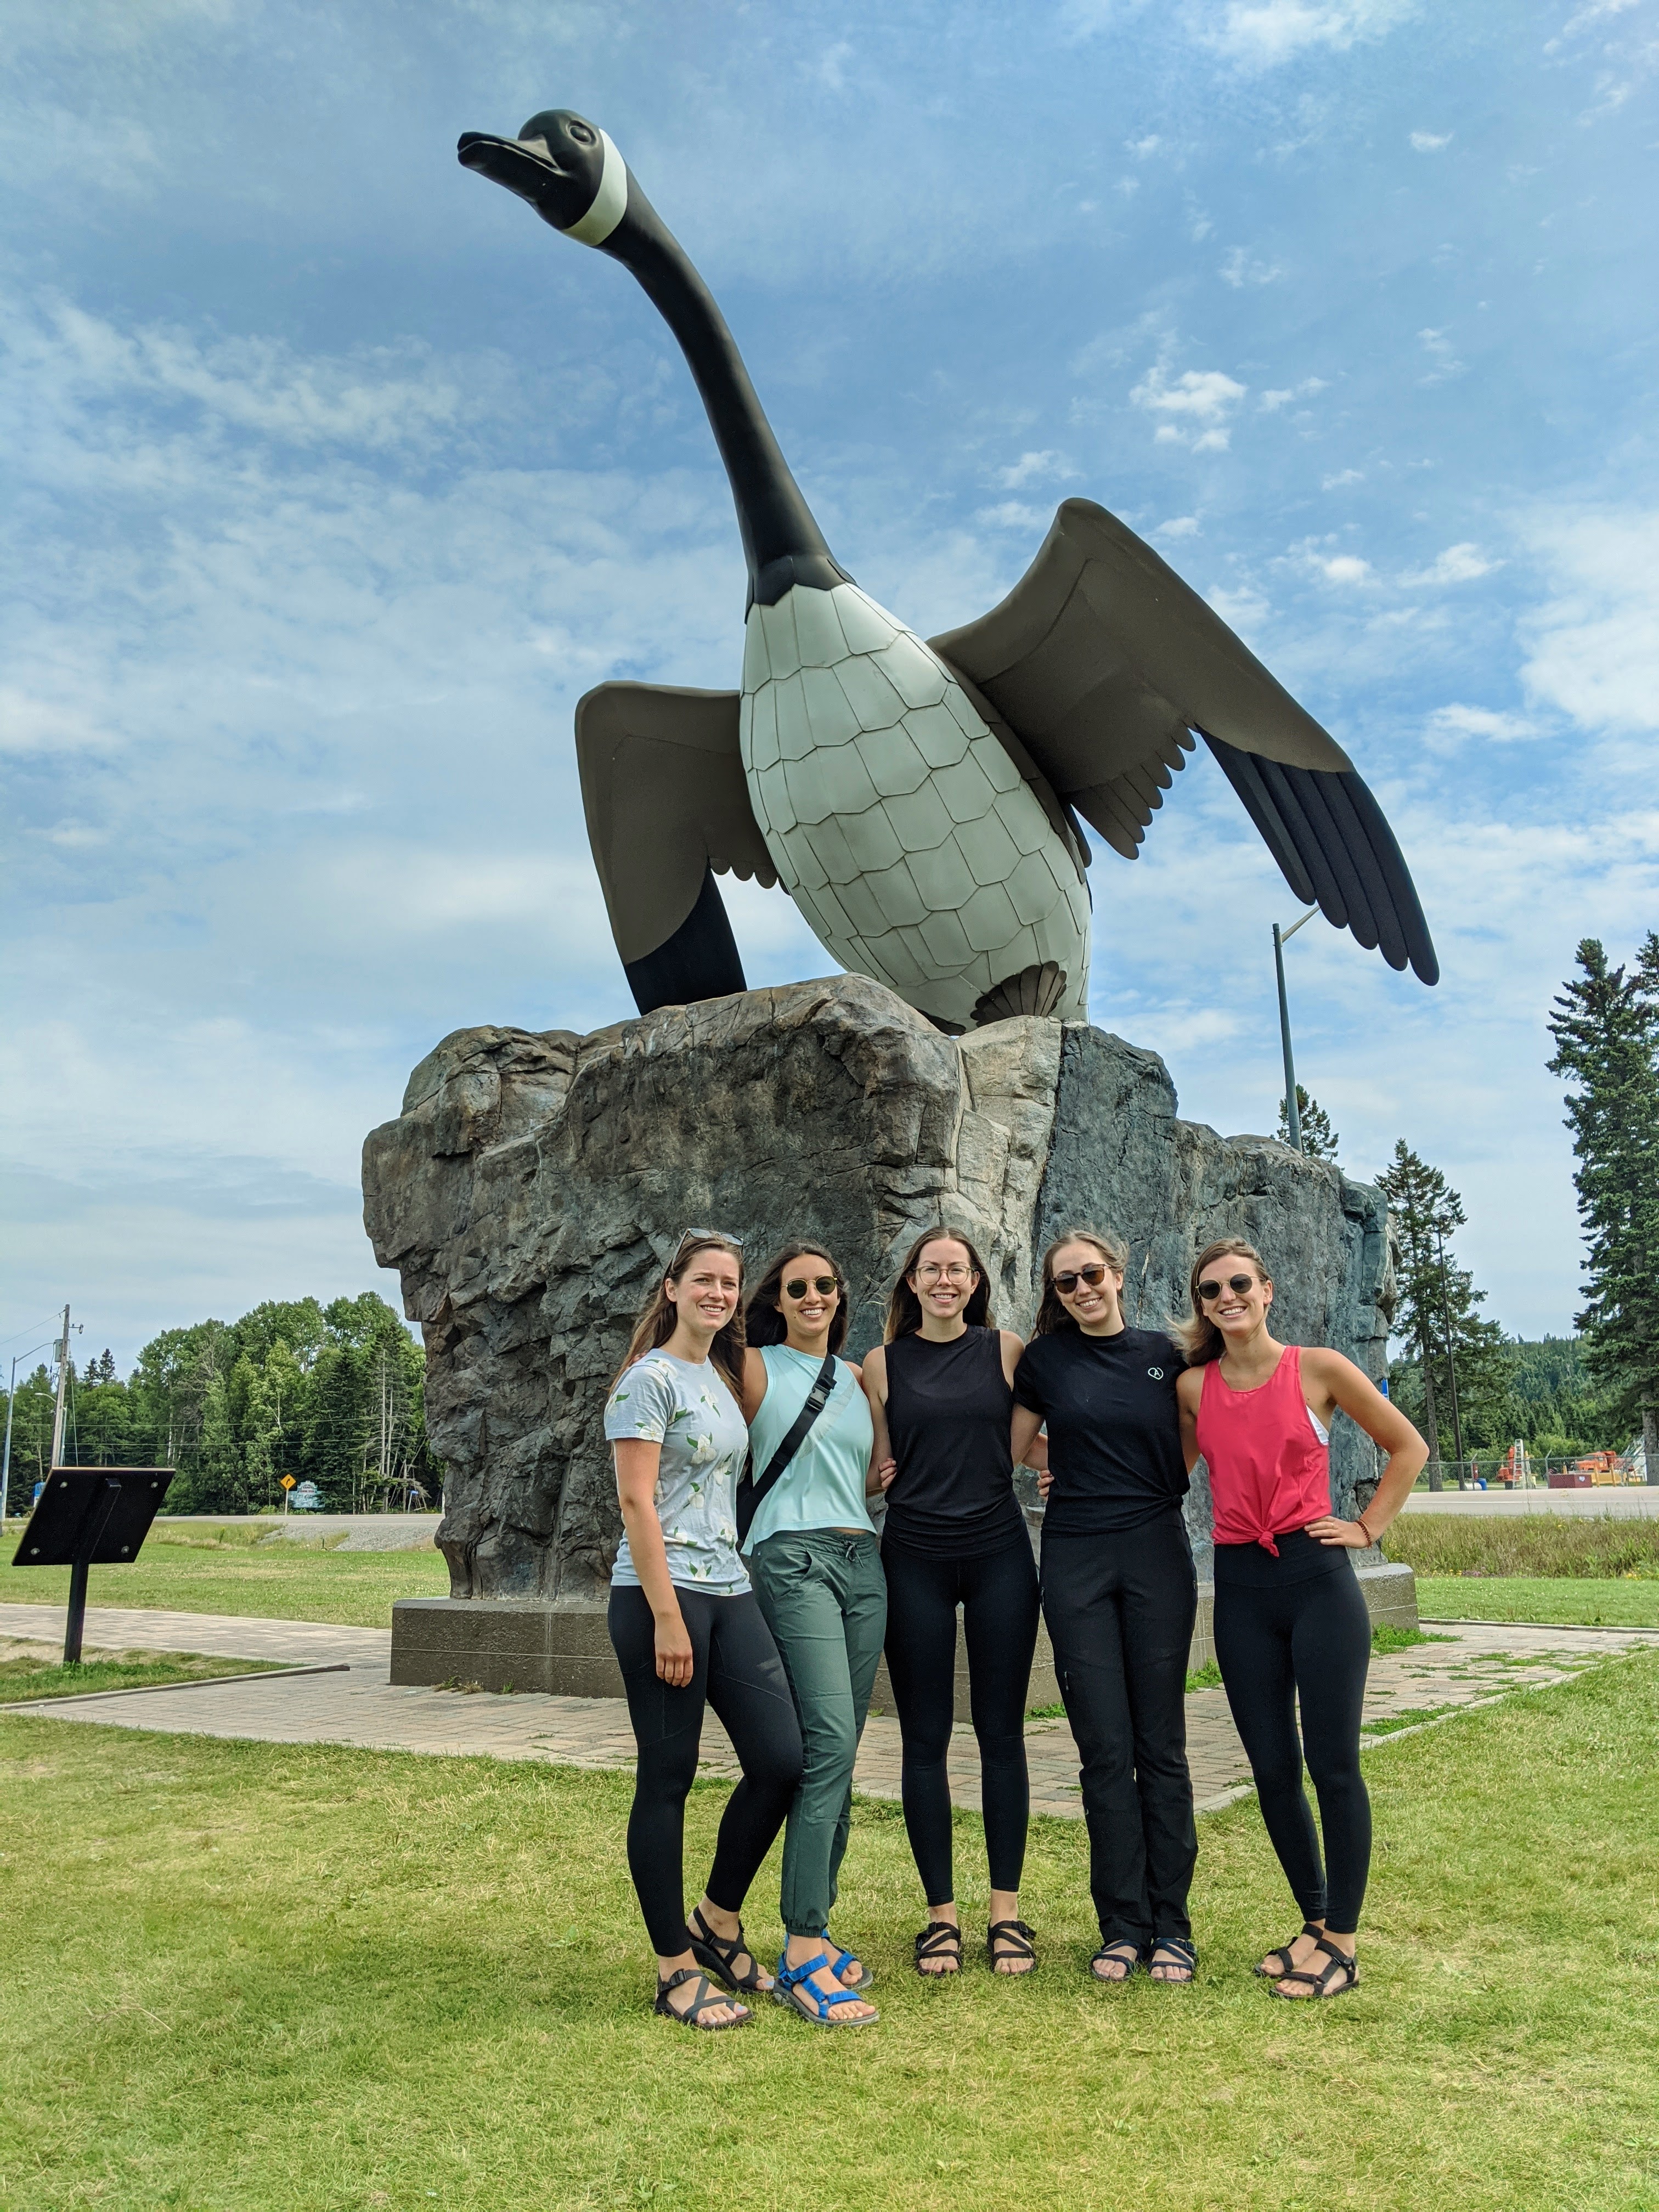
x=824 y=1598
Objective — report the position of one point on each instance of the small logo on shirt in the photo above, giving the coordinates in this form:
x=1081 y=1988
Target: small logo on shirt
x=1156 y=1374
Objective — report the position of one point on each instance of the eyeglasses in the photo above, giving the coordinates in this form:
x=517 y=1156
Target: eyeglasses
x=697 y=1235
x=1067 y=1280
x=825 y=1285
x=1237 y=1284
x=955 y=1271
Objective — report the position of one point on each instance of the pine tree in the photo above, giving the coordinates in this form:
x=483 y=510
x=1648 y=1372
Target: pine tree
x=1437 y=1300
x=1319 y=1140
x=1606 y=1027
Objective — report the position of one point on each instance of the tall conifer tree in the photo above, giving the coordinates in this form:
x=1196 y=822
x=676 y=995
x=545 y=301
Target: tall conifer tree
x=1605 y=1026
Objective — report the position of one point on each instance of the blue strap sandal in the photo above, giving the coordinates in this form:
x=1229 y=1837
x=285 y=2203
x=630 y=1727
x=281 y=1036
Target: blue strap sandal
x=1173 y=1950
x=794 y=1988
x=843 y=1961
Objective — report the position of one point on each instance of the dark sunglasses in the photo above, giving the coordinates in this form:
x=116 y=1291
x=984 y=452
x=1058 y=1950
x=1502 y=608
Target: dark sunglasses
x=1068 y=1279
x=1238 y=1283
x=825 y=1285
x=696 y=1235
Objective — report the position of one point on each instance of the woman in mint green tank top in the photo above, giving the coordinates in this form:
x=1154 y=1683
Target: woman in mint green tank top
x=815 y=1564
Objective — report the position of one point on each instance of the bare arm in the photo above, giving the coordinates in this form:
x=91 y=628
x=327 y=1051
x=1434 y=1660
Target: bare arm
x=637 y=1462
x=1189 y=1384
x=754 y=1385
x=1012 y=1345
x=1024 y=1441
x=874 y=1379
x=1335 y=1383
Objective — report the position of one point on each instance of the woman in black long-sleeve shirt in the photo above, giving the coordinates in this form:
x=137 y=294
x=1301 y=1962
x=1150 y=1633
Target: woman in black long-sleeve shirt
x=939 y=1394
x=1119 y=1594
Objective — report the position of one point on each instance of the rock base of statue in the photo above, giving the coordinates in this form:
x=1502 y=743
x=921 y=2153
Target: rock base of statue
x=535 y=1184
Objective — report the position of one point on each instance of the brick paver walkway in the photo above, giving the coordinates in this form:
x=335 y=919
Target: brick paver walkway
x=362 y=1706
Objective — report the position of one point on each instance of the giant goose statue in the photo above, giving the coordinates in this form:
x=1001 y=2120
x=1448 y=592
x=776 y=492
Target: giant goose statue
x=920 y=800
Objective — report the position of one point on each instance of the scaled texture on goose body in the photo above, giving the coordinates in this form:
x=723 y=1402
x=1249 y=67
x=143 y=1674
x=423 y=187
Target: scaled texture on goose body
x=920 y=800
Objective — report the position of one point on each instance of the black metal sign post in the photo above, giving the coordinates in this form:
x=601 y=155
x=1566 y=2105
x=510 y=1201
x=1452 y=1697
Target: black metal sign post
x=88 y=1516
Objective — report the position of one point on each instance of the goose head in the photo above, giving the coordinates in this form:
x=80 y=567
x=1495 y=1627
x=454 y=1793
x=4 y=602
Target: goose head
x=564 y=165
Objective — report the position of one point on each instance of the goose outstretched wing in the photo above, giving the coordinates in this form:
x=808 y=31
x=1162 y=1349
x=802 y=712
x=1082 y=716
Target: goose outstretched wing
x=667 y=801
x=1103 y=663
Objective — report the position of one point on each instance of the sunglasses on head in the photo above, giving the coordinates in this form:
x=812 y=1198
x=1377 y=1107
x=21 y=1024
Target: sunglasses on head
x=1068 y=1278
x=797 y=1285
x=1239 y=1284
x=699 y=1236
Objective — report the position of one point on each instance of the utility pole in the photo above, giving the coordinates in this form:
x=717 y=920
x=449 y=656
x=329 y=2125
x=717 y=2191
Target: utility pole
x=1451 y=1357
x=1292 y=1114
x=57 y=1411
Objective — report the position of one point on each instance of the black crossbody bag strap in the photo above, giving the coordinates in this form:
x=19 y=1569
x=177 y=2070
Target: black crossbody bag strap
x=750 y=1492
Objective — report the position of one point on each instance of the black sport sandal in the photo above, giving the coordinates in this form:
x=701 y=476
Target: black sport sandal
x=1319 y=1984
x=692 y=2016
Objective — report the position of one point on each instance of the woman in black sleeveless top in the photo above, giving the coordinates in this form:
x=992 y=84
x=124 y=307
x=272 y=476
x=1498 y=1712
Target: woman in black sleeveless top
x=940 y=1393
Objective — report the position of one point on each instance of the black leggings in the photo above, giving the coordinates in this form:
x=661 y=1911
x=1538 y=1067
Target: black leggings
x=736 y=1670
x=998 y=1594
x=1120 y=1612
x=1277 y=1643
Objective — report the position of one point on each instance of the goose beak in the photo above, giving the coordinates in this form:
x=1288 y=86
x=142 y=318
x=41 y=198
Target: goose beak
x=523 y=165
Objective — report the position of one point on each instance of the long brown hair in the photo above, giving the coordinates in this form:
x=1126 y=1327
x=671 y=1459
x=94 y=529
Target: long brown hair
x=1051 y=1315
x=1200 y=1340
x=764 y=1317
x=904 y=1307
x=658 y=1315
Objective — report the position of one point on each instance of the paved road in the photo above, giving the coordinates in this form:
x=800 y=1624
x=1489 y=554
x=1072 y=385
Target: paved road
x=363 y=1532
x=1627 y=1502
x=362 y=1707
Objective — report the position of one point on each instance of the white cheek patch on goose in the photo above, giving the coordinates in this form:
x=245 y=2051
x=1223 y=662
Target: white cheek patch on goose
x=609 y=202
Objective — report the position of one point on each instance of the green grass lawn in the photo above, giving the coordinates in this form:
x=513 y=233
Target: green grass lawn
x=1594 y=1603
x=1533 y=1544
x=277 y=1579
x=22 y=1677
x=305 y=1978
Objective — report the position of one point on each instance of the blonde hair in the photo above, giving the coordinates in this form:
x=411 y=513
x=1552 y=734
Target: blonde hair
x=1200 y=1340
x=1051 y=1315
x=659 y=1314
x=904 y=1307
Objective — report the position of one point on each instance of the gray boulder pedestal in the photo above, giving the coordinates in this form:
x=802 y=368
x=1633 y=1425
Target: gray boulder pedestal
x=535 y=1183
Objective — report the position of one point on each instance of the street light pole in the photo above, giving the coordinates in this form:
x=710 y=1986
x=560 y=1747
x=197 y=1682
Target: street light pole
x=11 y=1405
x=1293 y=1113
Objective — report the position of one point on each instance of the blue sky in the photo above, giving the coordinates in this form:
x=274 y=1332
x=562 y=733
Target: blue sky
x=335 y=479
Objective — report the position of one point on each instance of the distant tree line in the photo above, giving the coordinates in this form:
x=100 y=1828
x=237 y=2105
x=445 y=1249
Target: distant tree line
x=329 y=1395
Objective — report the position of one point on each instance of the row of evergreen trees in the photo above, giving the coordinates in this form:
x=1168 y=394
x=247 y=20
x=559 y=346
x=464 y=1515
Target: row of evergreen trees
x=329 y=1395
x=1562 y=1395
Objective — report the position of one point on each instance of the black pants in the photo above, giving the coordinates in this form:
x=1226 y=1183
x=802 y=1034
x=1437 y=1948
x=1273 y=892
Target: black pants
x=1279 y=1642
x=735 y=1668
x=998 y=1594
x=1119 y=1611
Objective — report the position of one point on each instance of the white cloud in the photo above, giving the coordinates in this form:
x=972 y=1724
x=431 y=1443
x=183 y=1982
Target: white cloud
x=1195 y=406
x=1239 y=269
x=1341 y=477
x=1241 y=609
x=1179 y=526
x=1458 y=564
x=1344 y=568
x=1144 y=148
x=31 y=724
x=1443 y=353
x=1271 y=403
x=1592 y=647
x=1012 y=514
x=1425 y=142
x=1261 y=33
x=1450 y=727
x=1035 y=468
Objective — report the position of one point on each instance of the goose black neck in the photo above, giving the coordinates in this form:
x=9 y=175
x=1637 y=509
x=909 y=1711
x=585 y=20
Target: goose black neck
x=782 y=542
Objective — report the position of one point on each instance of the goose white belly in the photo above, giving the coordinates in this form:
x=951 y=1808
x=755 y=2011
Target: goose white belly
x=896 y=820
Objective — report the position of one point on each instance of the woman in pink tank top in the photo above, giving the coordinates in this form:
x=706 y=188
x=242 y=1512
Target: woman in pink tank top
x=1290 y=1625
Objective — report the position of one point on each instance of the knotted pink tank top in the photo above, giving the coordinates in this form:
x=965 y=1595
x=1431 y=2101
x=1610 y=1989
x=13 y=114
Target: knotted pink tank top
x=1269 y=1472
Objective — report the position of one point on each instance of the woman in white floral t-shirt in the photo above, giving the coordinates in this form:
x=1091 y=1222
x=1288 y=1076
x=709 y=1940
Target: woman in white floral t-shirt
x=687 y=1630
